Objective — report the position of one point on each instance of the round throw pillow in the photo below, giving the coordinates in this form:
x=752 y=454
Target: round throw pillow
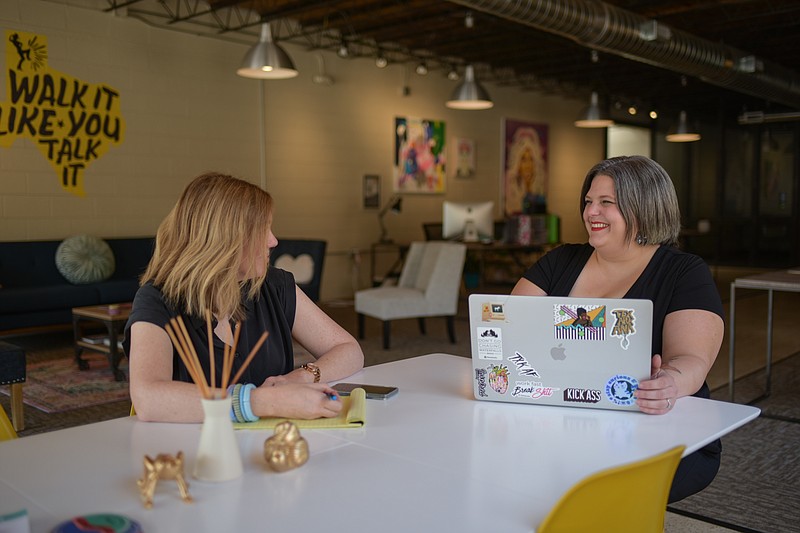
x=85 y=259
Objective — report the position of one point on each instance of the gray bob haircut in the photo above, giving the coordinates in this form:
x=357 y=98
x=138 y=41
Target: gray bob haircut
x=645 y=196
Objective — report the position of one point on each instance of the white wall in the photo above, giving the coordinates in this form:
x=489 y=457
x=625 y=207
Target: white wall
x=187 y=112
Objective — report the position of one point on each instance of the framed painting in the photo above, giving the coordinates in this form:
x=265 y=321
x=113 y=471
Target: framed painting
x=464 y=158
x=371 y=191
x=419 y=155
x=524 y=167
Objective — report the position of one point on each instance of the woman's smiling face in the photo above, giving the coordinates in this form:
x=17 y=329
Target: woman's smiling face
x=601 y=214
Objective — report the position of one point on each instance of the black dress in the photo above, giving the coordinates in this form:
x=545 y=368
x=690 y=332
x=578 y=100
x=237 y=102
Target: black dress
x=673 y=281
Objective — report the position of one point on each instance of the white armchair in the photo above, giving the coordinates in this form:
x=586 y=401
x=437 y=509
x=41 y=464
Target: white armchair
x=429 y=285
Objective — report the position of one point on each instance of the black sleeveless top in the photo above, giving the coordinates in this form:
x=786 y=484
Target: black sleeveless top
x=673 y=281
x=273 y=311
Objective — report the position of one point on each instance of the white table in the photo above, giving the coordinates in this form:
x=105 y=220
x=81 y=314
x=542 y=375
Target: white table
x=784 y=280
x=429 y=459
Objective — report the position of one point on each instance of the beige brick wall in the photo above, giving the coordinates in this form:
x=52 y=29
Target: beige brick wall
x=186 y=112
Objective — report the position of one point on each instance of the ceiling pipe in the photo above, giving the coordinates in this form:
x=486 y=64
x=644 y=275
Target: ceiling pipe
x=600 y=26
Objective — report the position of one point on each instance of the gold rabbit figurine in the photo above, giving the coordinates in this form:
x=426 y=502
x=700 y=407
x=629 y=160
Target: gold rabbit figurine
x=286 y=449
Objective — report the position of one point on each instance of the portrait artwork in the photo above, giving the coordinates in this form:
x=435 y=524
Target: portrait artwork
x=525 y=167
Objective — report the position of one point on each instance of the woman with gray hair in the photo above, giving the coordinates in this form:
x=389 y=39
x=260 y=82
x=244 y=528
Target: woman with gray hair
x=630 y=211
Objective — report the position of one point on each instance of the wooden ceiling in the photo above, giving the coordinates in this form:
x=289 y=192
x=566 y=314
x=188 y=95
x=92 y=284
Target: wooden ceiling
x=508 y=49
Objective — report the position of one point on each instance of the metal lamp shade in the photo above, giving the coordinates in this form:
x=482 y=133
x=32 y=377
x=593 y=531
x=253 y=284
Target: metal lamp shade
x=267 y=60
x=593 y=116
x=683 y=133
x=470 y=94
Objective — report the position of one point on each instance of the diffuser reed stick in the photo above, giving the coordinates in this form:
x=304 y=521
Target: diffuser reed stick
x=176 y=329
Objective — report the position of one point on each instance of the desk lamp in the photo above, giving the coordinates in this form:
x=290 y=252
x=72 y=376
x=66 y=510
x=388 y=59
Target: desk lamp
x=395 y=205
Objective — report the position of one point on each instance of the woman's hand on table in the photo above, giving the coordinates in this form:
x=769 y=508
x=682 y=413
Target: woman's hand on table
x=281 y=397
x=657 y=395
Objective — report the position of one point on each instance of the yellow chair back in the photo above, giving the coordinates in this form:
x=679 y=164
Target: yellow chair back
x=631 y=497
x=133 y=411
x=6 y=428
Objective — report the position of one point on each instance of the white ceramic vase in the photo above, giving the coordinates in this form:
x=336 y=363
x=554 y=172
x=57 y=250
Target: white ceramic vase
x=218 y=456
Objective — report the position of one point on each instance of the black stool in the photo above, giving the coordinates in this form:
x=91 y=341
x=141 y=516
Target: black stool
x=12 y=372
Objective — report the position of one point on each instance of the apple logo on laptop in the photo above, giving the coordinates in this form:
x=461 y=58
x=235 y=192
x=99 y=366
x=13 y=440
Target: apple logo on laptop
x=558 y=352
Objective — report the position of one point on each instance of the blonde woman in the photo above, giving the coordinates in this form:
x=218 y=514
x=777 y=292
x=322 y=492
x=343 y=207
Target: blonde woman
x=212 y=254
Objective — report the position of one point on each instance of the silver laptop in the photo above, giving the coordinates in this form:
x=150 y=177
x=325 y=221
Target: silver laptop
x=577 y=352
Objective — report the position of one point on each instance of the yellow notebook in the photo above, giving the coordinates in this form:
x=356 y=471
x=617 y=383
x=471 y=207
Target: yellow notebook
x=352 y=415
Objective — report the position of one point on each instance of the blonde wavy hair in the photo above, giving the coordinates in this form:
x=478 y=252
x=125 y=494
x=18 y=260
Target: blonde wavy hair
x=200 y=244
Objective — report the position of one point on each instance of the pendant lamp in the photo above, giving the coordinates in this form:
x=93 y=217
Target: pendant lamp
x=683 y=133
x=470 y=94
x=593 y=116
x=267 y=60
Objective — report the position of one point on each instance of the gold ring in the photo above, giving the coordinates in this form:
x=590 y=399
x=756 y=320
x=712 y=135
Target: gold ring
x=669 y=404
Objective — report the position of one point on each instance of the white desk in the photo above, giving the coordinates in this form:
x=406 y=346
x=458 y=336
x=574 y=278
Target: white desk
x=785 y=280
x=429 y=459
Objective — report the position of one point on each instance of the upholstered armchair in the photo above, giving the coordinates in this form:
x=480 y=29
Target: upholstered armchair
x=429 y=285
x=304 y=258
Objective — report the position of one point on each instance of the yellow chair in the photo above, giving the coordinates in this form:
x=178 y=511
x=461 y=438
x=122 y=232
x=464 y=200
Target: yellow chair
x=6 y=428
x=631 y=497
x=133 y=411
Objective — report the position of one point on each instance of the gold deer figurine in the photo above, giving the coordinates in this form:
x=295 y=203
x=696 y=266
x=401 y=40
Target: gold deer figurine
x=286 y=449
x=164 y=466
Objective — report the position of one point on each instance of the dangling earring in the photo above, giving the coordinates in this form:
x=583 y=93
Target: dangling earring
x=641 y=240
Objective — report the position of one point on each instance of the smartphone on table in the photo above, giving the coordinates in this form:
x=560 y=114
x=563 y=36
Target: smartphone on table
x=374 y=392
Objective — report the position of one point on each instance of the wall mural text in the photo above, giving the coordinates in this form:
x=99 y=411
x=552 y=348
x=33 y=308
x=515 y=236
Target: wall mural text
x=72 y=122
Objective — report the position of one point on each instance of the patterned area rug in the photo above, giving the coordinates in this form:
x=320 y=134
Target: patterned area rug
x=54 y=384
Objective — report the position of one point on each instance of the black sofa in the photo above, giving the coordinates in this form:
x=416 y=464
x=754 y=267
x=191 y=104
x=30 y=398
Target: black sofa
x=34 y=293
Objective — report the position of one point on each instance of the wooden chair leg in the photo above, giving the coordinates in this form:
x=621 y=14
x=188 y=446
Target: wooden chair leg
x=421 y=321
x=17 y=414
x=360 y=325
x=387 y=329
x=451 y=328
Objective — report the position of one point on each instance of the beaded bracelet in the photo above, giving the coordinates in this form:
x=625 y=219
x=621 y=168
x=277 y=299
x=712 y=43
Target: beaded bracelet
x=230 y=393
x=236 y=398
x=244 y=403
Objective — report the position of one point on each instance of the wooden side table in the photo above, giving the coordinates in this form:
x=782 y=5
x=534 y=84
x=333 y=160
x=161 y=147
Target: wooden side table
x=12 y=372
x=113 y=317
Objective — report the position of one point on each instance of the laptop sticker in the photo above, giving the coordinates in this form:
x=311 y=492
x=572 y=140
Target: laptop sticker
x=532 y=389
x=620 y=389
x=490 y=343
x=490 y=311
x=524 y=368
x=572 y=394
x=624 y=325
x=575 y=322
x=480 y=377
x=498 y=378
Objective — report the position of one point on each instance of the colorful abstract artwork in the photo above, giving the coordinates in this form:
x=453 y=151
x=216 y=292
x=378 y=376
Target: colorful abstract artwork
x=419 y=155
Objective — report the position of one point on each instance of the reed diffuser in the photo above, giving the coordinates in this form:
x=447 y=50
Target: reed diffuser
x=218 y=456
